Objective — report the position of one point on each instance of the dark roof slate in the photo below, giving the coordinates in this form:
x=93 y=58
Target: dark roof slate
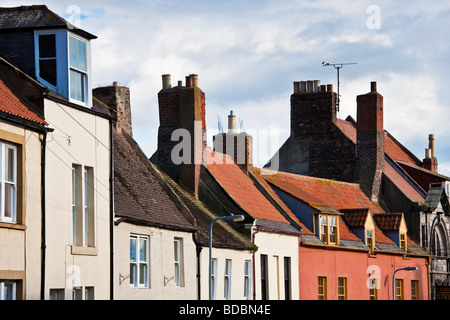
x=35 y=17
x=138 y=195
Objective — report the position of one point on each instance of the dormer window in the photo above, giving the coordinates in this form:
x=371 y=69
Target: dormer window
x=78 y=68
x=62 y=64
x=328 y=229
x=370 y=238
x=47 y=58
x=403 y=241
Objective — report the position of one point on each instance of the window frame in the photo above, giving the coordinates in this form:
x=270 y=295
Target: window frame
x=322 y=290
x=399 y=289
x=214 y=263
x=37 y=34
x=403 y=241
x=370 y=239
x=135 y=282
x=415 y=290
x=4 y=146
x=373 y=291
x=179 y=263
x=227 y=279
x=84 y=73
x=328 y=228
x=4 y=282
x=247 y=279
x=342 y=288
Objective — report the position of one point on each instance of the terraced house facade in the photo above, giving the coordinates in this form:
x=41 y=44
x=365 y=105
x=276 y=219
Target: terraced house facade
x=351 y=214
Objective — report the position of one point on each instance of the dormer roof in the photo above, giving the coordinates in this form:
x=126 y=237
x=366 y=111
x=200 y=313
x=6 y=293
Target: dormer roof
x=36 y=17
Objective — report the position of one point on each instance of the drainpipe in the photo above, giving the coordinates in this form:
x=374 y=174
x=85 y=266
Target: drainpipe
x=43 y=226
x=111 y=206
x=254 y=263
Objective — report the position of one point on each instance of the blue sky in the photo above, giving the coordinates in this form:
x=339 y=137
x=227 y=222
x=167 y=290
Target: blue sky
x=247 y=55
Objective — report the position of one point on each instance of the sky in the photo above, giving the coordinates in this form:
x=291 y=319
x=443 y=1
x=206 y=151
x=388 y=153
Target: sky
x=248 y=53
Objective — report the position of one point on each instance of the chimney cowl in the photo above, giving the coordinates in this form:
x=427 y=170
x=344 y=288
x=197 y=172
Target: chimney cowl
x=373 y=86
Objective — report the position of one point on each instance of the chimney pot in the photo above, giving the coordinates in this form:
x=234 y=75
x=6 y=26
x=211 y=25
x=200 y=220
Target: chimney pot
x=167 y=84
x=296 y=86
x=373 y=86
x=323 y=88
x=329 y=87
x=309 y=86
x=194 y=80
x=231 y=122
x=431 y=145
x=316 y=85
x=427 y=154
x=302 y=86
x=189 y=82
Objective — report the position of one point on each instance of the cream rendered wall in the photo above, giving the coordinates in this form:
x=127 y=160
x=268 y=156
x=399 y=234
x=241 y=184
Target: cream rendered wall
x=78 y=138
x=238 y=258
x=162 y=267
x=276 y=246
x=20 y=249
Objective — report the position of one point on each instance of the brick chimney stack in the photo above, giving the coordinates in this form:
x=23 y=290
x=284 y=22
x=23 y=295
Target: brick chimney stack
x=370 y=141
x=313 y=109
x=182 y=107
x=116 y=101
x=239 y=146
x=430 y=162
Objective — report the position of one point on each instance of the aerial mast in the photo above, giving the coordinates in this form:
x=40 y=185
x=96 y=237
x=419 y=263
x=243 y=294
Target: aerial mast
x=337 y=66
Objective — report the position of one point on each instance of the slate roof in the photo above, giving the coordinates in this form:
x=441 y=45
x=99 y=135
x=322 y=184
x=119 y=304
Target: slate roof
x=35 y=17
x=11 y=105
x=224 y=235
x=139 y=196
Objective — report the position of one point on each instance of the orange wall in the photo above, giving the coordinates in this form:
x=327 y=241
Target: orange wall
x=357 y=266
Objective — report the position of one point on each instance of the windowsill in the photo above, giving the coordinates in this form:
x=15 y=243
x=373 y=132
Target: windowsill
x=10 y=225
x=84 y=251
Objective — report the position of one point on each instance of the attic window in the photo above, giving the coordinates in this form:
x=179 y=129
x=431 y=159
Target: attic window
x=47 y=58
x=78 y=68
x=370 y=241
x=328 y=229
x=403 y=241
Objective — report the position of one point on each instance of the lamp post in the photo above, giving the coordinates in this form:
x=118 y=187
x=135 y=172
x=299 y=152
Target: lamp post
x=232 y=217
x=409 y=269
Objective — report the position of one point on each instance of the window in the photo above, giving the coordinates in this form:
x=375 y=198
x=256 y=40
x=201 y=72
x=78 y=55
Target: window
x=77 y=293
x=47 y=58
x=399 y=289
x=414 y=289
x=370 y=242
x=287 y=278
x=83 y=206
x=78 y=68
x=139 y=264
x=214 y=278
x=179 y=265
x=247 y=278
x=227 y=280
x=373 y=292
x=57 y=294
x=89 y=293
x=342 y=288
x=403 y=241
x=424 y=235
x=322 y=288
x=328 y=229
x=7 y=290
x=264 y=278
x=8 y=183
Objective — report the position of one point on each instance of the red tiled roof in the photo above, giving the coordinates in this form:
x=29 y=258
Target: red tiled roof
x=355 y=218
x=323 y=193
x=388 y=222
x=241 y=188
x=10 y=104
x=345 y=233
x=392 y=147
x=406 y=187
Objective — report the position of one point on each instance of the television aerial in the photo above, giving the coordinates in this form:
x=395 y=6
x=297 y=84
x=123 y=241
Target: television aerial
x=337 y=66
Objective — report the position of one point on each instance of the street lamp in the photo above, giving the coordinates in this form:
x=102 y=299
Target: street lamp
x=409 y=269
x=232 y=217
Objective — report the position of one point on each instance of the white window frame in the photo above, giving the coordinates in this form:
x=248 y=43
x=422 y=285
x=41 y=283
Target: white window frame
x=84 y=73
x=326 y=227
x=214 y=278
x=37 y=58
x=2 y=289
x=227 y=280
x=247 y=279
x=3 y=173
x=83 y=213
x=179 y=262
x=135 y=281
